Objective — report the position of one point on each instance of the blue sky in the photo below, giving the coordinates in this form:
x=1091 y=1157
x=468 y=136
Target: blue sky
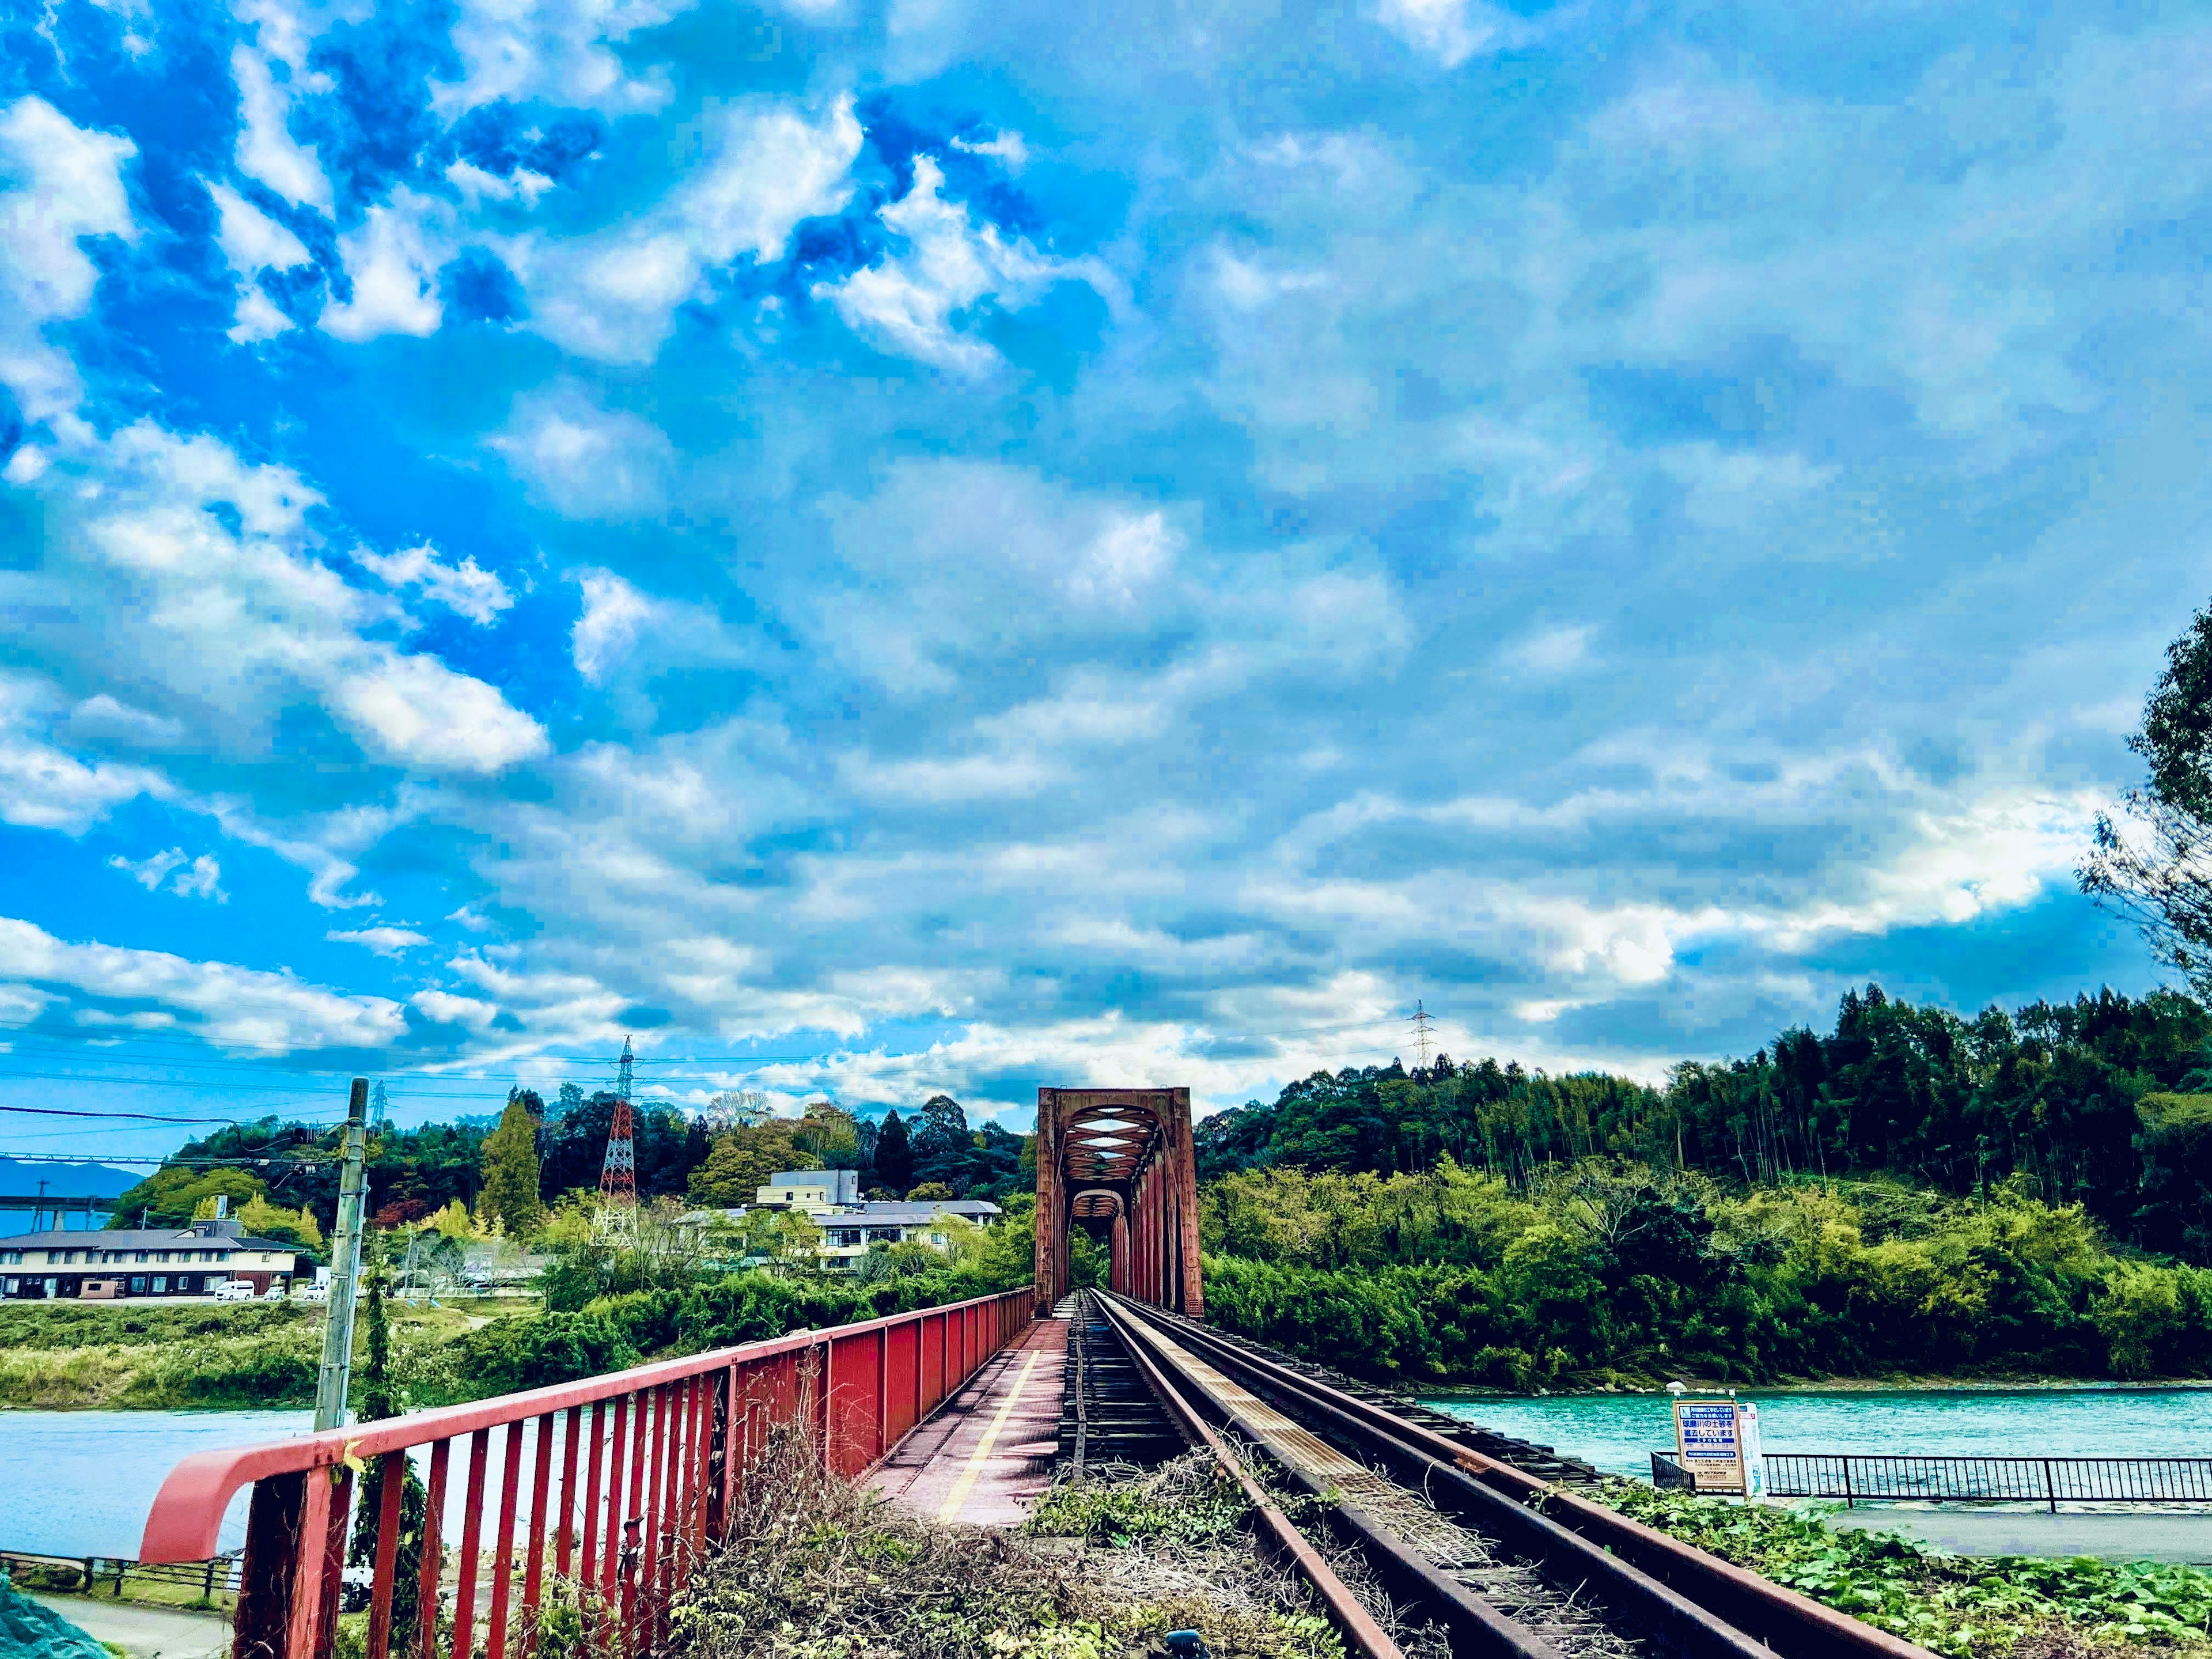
x=891 y=545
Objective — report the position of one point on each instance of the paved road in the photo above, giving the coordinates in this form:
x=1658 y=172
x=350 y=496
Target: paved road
x=2133 y=1535
x=146 y=1631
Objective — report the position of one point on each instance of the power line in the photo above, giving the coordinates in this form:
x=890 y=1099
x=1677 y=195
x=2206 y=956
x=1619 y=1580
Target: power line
x=142 y=1118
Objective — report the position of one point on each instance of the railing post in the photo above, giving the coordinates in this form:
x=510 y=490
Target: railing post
x=2050 y=1490
x=1849 y=1502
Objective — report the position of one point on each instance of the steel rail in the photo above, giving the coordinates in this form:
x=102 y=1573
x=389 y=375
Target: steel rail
x=1357 y=1626
x=1696 y=1603
x=1475 y=1626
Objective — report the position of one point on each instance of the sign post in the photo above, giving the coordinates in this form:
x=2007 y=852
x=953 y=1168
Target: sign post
x=1709 y=1439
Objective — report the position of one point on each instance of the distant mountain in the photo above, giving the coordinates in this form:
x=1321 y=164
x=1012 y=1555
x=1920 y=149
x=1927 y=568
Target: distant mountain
x=69 y=1180
x=19 y=1180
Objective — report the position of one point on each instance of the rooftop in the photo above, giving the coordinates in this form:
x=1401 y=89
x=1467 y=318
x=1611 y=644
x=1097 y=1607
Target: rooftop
x=199 y=1236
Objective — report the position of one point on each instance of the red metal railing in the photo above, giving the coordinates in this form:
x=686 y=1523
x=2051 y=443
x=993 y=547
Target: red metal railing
x=649 y=1461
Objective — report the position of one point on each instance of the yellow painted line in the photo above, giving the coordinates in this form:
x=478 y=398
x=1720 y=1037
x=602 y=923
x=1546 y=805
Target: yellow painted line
x=966 y=1483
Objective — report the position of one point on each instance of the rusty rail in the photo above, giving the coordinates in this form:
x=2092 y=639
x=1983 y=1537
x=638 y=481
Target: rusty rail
x=649 y=1461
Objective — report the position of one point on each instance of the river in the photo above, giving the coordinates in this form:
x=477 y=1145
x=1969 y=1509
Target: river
x=1619 y=1432
x=80 y=1483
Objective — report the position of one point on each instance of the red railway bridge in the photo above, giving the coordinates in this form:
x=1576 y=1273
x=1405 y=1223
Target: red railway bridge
x=1122 y=1158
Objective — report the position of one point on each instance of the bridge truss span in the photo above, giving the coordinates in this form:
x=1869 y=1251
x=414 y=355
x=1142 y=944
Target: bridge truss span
x=1121 y=1159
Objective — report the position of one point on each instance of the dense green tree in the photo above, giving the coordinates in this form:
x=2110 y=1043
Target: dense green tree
x=894 y=1159
x=2155 y=863
x=510 y=1167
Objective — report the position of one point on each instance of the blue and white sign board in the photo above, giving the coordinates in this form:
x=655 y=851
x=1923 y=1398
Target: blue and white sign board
x=1709 y=1441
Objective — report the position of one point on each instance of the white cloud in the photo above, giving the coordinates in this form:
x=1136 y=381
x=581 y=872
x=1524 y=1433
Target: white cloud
x=418 y=711
x=204 y=880
x=393 y=260
x=1006 y=146
x=1552 y=650
x=1453 y=31
x=465 y=589
x=948 y=559
x=223 y=1004
x=561 y=51
x=763 y=169
x=199 y=878
x=909 y=302
x=384 y=941
x=45 y=787
x=62 y=182
x=266 y=149
x=585 y=461
x=618 y=619
x=148 y=872
x=446 y=1009
x=613 y=614
x=229 y=618
x=252 y=243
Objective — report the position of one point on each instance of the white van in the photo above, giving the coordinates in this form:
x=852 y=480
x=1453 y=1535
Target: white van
x=235 y=1290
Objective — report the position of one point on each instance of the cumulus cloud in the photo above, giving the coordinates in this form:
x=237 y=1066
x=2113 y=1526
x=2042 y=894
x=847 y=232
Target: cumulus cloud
x=61 y=182
x=193 y=877
x=391 y=259
x=266 y=149
x=250 y=1008
x=1601 y=585
x=761 y=169
x=253 y=242
x=908 y=303
x=565 y=52
x=619 y=623
x=466 y=589
x=958 y=559
x=1453 y=31
x=384 y=941
x=222 y=602
x=584 y=460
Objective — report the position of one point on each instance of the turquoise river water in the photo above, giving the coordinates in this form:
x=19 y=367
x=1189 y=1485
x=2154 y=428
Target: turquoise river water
x=78 y=1483
x=1619 y=1432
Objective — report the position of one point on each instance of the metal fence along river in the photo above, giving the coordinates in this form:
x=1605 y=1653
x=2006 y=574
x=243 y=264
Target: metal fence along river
x=2048 y=1481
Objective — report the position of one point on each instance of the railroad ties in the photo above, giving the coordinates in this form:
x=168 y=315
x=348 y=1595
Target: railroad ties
x=1109 y=1415
x=1467 y=1541
x=1489 y=1550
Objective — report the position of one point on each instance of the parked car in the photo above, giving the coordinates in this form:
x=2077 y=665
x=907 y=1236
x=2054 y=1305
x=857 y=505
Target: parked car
x=274 y=1293
x=235 y=1290
x=314 y=1292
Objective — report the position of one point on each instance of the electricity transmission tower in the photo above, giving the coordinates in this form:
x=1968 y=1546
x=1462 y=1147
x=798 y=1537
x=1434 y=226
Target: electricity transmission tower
x=1421 y=1023
x=618 y=1175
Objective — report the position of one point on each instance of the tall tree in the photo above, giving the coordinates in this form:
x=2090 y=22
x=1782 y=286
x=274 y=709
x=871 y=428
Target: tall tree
x=2157 y=866
x=510 y=1166
x=894 y=1154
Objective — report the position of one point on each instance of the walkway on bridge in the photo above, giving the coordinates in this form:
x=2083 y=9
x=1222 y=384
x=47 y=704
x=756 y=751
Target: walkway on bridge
x=985 y=1459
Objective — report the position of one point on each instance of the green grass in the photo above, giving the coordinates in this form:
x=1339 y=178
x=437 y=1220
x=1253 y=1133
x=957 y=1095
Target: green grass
x=1964 y=1606
x=70 y=1356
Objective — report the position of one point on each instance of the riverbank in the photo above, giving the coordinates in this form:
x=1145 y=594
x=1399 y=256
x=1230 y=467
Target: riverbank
x=125 y=1356
x=1960 y=1607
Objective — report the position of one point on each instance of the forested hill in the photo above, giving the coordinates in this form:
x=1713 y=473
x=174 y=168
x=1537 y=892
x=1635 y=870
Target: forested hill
x=2105 y=1102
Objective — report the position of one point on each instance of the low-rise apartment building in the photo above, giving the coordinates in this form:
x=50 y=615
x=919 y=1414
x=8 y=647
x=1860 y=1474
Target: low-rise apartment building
x=140 y=1261
x=851 y=1225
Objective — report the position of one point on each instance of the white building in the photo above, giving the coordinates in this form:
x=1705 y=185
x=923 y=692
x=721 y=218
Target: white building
x=852 y=1226
x=128 y=1262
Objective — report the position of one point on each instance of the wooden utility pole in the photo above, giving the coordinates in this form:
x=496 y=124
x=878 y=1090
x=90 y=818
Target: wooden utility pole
x=346 y=1268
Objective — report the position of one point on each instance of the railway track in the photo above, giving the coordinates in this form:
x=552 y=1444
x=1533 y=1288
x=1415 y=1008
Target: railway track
x=1505 y=1563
